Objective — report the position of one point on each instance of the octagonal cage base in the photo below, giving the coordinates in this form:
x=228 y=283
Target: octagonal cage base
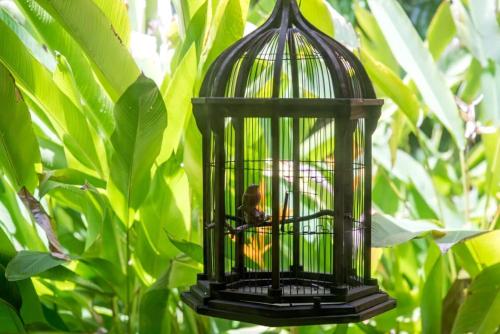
x=355 y=305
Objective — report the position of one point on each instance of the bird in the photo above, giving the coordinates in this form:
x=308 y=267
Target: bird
x=250 y=206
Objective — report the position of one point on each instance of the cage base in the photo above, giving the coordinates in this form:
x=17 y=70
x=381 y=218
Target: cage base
x=290 y=314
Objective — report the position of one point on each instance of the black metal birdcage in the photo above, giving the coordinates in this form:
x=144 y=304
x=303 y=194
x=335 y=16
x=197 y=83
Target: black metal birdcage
x=287 y=114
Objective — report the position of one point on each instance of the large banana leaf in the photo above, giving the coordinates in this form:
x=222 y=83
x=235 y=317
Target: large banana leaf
x=178 y=99
x=88 y=25
x=36 y=81
x=393 y=87
x=18 y=158
x=141 y=118
x=59 y=41
x=225 y=27
x=116 y=12
x=410 y=52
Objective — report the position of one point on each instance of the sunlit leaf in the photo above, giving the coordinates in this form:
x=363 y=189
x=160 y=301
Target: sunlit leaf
x=116 y=12
x=486 y=248
x=36 y=81
x=410 y=52
x=57 y=39
x=483 y=14
x=372 y=38
x=178 y=98
x=393 y=87
x=141 y=118
x=154 y=315
x=441 y=30
x=88 y=25
x=17 y=158
x=225 y=28
x=490 y=107
x=318 y=13
x=432 y=296
x=165 y=212
x=85 y=201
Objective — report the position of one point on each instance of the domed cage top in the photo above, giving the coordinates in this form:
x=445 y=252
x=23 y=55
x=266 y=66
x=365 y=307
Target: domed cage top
x=287 y=114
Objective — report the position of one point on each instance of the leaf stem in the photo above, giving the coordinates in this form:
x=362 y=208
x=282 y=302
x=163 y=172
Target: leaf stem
x=465 y=184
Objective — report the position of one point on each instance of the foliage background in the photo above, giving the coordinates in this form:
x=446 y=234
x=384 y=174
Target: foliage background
x=100 y=192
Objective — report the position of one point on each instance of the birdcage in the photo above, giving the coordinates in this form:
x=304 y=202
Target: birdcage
x=287 y=114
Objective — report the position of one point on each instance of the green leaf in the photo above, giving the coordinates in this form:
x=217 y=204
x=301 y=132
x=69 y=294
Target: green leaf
x=167 y=209
x=344 y=31
x=492 y=151
x=68 y=176
x=454 y=298
x=388 y=231
x=467 y=32
x=18 y=146
x=192 y=159
x=441 y=30
x=178 y=97
x=483 y=13
x=31 y=309
x=225 y=27
x=9 y=321
x=154 y=314
x=490 y=107
x=28 y=263
x=88 y=25
x=36 y=81
x=194 y=35
x=372 y=39
x=485 y=248
x=141 y=118
x=432 y=296
x=410 y=171
x=318 y=13
x=191 y=249
x=63 y=274
x=417 y=62
x=85 y=201
x=8 y=290
x=472 y=83
x=385 y=79
x=29 y=41
x=479 y=313
x=59 y=41
x=116 y=12
x=7 y=250
x=466 y=259
x=183 y=273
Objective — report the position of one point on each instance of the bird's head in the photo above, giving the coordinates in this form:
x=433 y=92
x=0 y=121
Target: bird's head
x=253 y=188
